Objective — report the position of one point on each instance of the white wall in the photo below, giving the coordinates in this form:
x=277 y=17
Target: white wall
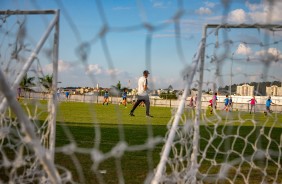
x=241 y=103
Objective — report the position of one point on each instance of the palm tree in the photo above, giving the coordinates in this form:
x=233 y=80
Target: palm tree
x=46 y=81
x=26 y=83
x=118 y=85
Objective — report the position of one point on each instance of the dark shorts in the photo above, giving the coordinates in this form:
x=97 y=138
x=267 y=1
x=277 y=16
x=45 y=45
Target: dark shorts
x=124 y=98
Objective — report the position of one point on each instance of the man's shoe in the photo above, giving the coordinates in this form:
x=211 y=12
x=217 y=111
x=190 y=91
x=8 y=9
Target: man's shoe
x=149 y=116
x=131 y=114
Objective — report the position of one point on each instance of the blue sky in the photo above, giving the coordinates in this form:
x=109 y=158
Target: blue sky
x=81 y=22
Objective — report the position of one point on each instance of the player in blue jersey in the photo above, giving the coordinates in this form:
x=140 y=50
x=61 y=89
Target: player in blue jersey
x=268 y=103
x=226 y=103
x=124 y=97
x=67 y=95
x=106 y=97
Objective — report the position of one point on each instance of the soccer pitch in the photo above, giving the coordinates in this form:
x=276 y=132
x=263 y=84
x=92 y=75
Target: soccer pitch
x=80 y=119
x=84 y=127
x=76 y=123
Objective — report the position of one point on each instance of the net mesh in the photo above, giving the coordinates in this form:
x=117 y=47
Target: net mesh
x=201 y=144
x=26 y=141
x=229 y=149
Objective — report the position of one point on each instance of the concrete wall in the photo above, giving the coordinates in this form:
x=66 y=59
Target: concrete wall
x=241 y=103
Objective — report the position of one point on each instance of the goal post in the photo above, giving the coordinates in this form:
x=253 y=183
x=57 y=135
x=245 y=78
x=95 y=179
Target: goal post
x=176 y=167
x=167 y=147
x=42 y=143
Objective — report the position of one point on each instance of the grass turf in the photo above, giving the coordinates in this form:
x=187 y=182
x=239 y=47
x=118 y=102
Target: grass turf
x=76 y=123
x=136 y=132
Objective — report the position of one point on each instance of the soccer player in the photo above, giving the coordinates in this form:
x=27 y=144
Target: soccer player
x=253 y=102
x=213 y=102
x=142 y=94
x=67 y=95
x=230 y=104
x=226 y=103
x=106 y=97
x=124 y=97
x=268 y=103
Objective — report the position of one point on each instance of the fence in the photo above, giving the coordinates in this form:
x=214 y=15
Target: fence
x=241 y=103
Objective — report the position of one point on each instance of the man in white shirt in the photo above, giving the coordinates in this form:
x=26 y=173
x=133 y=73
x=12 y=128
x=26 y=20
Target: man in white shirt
x=142 y=94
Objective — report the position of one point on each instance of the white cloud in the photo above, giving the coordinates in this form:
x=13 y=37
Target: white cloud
x=254 y=13
x=238 y=16
x=258 y=17
x=254 y=6
x=210 y=4
x=62 y=67
x=206 y=10
x=275 y=52
x=114 y=71
x=243 y=49
x=94 y=69
x=271 y=54
x=264 y=12
x=203 y=11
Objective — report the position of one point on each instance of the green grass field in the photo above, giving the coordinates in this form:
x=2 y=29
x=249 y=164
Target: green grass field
x=80 y=118
x=77 y=123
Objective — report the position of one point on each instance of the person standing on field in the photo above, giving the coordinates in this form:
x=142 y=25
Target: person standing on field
x=124 y=97
x=142 y=94
x=106 y=98
x=226 y=103
x=213 y=103
x=253 y=102
x=230 y=104
x=268 y=103
x=67 y=95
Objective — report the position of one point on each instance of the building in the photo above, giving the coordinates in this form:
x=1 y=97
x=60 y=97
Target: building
x=245 y=90
x=274 y=91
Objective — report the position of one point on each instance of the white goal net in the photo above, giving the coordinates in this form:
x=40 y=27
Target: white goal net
x=218 y=143
x=220 y=49
x=27 y=143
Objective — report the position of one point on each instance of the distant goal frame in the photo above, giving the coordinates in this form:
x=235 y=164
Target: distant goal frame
x=198 y=63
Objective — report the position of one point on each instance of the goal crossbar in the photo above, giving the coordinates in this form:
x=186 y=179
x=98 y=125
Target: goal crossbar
x=28 y=12
x=263 y=26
